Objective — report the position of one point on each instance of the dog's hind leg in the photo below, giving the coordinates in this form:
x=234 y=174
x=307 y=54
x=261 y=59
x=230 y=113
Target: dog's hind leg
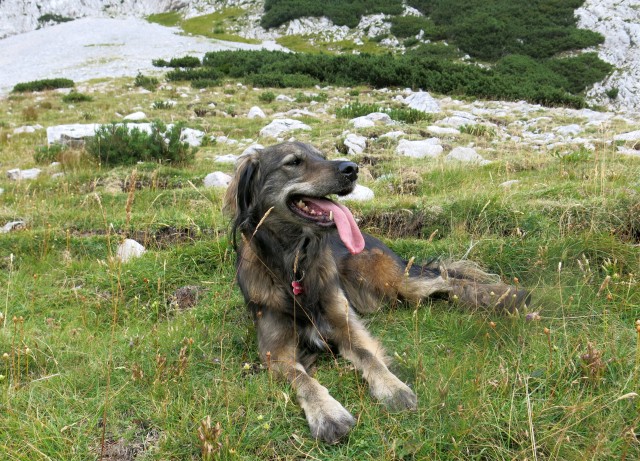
x=277 y=341
x=358 y=346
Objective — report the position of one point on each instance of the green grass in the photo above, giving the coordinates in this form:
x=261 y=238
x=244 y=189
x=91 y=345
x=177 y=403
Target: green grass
x=96 y=348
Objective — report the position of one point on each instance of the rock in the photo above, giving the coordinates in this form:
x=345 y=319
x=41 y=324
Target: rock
x=509 y=183
x=284 y=98
x=10 y=226
x=282 y=125
x=136 y=116
x=359 y=194
x=355 y=144
x=422 y=101
x=252 y=149
x=27 y=129
x=371 y=119
x=569 y=130
x=229 y=158
x=458 y=120
x=17 y=174
x=419 y=149
x=1 y=191
x=630 y=152
x=217 y=179
x=362 y=122
x=78 y=132
x=129 y=249
x=256 y=112
x=192 y=137
x=393 y=134
x=630 y=136
x=466 y=155
x=439 y=130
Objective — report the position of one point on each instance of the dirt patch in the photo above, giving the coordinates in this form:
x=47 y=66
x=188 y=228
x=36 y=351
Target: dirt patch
x=185 y=297
x=395 y=224
x=123 y=450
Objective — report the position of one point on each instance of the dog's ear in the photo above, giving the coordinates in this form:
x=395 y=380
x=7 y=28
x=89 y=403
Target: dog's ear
x=242 y=189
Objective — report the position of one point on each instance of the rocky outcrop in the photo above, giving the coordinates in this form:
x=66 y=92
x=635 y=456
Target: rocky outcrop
x=619 y=22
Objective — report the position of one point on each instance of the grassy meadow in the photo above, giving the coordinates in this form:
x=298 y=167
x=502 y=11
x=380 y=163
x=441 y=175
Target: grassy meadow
x=156 y=359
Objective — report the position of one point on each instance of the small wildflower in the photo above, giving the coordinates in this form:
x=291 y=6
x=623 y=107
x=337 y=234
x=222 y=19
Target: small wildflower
x=546 y=331
x=27 y=350
x=5 y=356
x=492 y=324
x=266 y=426
x=532 y=317
x=2 y=378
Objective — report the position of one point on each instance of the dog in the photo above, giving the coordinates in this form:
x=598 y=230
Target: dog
x=306 y=271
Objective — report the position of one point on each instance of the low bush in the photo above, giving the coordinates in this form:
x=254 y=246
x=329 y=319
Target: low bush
x=267 y=96
x=399 y=114
x=183 y=62
x=43 y=85
x=342 y=13
x=44 y=155
x=120 y=144
x=148 y=83
x=75 y=97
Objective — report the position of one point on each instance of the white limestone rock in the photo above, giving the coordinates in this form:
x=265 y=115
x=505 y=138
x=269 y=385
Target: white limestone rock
x=355 y=144
x=359 y=194
x=252 y=149
x=393 y=134
x=256 y=112
x=17 y=174
x=76 y=131
x=284 y=98
x=443 y=131
x=10 y=226
x=466 y=155
x=192 y=137
x=129 y=249
x=229 y=158
x=217 y=179
x=630 y=136
x=135 y=117
x=569 y=130
x=283 y=125
x=509 y=183
x=420 y=149
x=27 y=129
x=422 y=101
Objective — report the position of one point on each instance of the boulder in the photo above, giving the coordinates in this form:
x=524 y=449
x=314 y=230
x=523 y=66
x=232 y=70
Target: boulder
x=13 y=225
x=192 y=137
x=423 y=102
x=129 y=249
x=17 y=174
x=281 y=126
x=284 y=98
x=419 y=149
x=360 y=194
x=256 y=112
x=630 y=136
x=136 y=116
x=27 y=129
x=217 y=179
x=443 y=131
x=569 y=130
x=355 y=144
x=229 y=158
x=371 y=119
x=78 y=132
x=393 y=134
x=252 y=149
x=466 y=155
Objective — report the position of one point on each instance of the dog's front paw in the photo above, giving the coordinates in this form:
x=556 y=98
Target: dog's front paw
x=394 y=394
x=401 y=399
x=330 y=421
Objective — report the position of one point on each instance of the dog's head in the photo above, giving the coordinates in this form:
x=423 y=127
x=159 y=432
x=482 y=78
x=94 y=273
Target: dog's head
x=291 y=182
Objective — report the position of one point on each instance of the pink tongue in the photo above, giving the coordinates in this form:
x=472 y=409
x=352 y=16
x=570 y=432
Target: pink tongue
x=347 y=228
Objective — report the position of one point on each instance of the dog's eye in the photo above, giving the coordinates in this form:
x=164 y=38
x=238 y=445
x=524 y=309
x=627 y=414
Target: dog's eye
x=294 y=161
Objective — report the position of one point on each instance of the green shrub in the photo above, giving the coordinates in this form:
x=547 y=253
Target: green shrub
x=319 y=97
x=482 y=131
x=206 y=73
x=44 y=155
x=183 y=62
x=342 y=13
x=612 y=93
x=43 y=85
x=148 y=83
x=278 y=80
x=53 y=18
x=120 y=144
x=408 y=43
x=267 y=96
x=204 y=83
x=161 y=105
x=410 y=26
x=400 y=114
x=75 y=97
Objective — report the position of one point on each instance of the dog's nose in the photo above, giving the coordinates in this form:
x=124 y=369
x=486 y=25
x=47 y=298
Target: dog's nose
x=349 y=169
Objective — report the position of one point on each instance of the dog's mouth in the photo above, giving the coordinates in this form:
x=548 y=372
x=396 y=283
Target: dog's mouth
x=327 y=213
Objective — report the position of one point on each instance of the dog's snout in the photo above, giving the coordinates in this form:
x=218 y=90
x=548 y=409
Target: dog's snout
x=349 y=169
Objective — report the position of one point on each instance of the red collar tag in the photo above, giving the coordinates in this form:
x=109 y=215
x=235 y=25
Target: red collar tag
x=297 y=287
